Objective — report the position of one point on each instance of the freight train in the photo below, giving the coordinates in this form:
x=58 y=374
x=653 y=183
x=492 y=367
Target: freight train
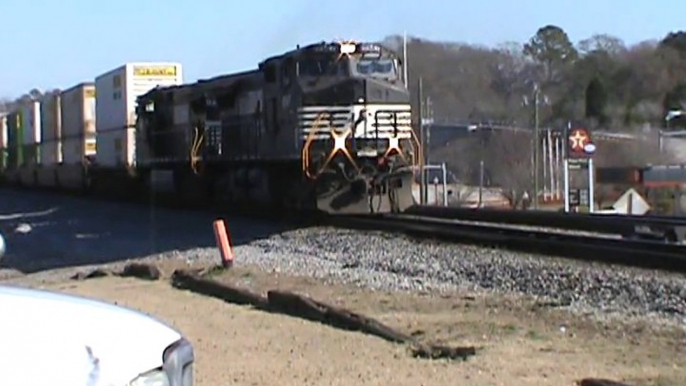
x=323 y=127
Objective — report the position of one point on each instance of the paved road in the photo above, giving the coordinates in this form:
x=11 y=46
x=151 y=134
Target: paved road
x=46 y=231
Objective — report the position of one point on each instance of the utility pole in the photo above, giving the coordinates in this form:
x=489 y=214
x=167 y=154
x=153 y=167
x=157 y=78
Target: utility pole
x=405 y=60
x=427 y=121
x=481 y=182
x=536 y=146
x=422 y=178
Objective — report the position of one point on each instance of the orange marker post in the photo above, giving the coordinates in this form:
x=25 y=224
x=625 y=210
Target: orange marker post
x=221 y=235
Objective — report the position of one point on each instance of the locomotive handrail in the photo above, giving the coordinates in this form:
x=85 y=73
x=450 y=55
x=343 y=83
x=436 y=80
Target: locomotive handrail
x=305 y=153
x=417 y=154
x=195 y=148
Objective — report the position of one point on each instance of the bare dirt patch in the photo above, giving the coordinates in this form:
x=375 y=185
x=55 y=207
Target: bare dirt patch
x=522 y=343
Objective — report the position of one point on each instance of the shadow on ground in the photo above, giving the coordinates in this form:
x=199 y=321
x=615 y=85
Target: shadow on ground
x=47 y=231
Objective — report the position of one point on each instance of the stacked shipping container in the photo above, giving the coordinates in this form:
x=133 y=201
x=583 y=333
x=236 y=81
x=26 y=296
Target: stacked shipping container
x=50 y=146
x=64 y=127
x=15 y=140
x=117 y=91
x=30 y=126
x=3 y=141
x=3 y=130
x=78 y=123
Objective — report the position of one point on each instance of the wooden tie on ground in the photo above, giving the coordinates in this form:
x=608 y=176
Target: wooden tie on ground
x=297 y=305
x=599 y=382
x=293 y=304
x=137 y=270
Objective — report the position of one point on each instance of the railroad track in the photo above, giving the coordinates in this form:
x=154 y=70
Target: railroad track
x=660 y=227
x=441 y=225
x=637 y=253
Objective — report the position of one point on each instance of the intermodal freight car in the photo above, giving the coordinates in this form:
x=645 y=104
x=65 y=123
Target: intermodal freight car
x=325 y=126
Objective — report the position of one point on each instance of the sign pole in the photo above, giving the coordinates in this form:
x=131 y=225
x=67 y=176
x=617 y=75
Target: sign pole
x=565 y=162
x=591 y=190
x=445 y=184
x=580 y=147
x=420 y=120
x=566 y=181
x=537 y=144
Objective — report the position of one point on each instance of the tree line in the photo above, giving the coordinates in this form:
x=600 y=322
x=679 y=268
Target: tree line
x=599 y=79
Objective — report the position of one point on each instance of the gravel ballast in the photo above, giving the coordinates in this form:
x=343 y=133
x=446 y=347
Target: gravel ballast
x=391 y=262
x=68 y=231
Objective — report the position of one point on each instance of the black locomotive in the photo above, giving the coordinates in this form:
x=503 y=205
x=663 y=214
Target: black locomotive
x=325 y=126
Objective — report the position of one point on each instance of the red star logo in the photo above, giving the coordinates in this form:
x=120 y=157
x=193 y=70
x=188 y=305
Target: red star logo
x=579 y=139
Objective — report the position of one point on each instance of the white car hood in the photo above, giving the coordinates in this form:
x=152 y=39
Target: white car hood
x=51 y=338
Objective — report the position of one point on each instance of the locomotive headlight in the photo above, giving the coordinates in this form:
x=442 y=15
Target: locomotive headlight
x=348 y=48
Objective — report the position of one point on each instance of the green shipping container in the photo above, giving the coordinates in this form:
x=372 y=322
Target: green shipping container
x=19 y=140
x=14 y=139
x=30 y=154
x=15 y=135
x=3 y=151
x=3 y=159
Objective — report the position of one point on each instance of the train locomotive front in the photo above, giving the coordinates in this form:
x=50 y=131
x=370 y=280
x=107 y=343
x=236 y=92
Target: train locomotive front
x=354 y=120
x=325 y=127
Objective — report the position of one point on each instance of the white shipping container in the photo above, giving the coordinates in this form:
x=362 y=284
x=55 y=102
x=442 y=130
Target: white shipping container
x=51 y=147
x=3 y=131
x=30 y=110
x=72 y=150
x=49 y=153
x=117 y=91
x=78 y=122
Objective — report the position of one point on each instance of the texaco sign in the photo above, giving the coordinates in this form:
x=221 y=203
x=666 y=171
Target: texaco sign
x=580 y=143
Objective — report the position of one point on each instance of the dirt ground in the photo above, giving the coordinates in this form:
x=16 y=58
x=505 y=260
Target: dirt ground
x=521 y=343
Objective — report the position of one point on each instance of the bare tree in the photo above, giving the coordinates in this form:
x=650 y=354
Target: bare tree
x=612 y=85
x=35 y=93
x=609 y=44
x=5 y=105
x=641 y=150
x=551 y=49
x=461 y=158
x=476 y=83
x=509 y=164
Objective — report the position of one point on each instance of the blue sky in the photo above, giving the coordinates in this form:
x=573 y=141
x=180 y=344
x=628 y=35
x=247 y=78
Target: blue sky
x=58 y=43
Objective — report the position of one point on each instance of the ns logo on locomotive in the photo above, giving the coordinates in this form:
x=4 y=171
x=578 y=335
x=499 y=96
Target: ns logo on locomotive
x=325 y=126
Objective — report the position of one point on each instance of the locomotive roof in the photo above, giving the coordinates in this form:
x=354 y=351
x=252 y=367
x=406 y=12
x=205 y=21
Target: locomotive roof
x=201 y=86
x=225 y=81
x=331 y=46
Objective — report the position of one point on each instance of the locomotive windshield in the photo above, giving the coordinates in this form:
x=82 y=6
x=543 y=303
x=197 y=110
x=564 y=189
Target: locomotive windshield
x=316 y=65
x=377 y=67
x=362 y=60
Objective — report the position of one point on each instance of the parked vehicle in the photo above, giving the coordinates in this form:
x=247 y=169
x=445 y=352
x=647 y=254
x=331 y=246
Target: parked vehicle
x=50 y=338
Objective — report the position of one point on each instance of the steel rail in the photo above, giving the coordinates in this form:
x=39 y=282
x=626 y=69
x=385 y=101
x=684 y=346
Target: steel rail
x=637 y=253
x=604 y=223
